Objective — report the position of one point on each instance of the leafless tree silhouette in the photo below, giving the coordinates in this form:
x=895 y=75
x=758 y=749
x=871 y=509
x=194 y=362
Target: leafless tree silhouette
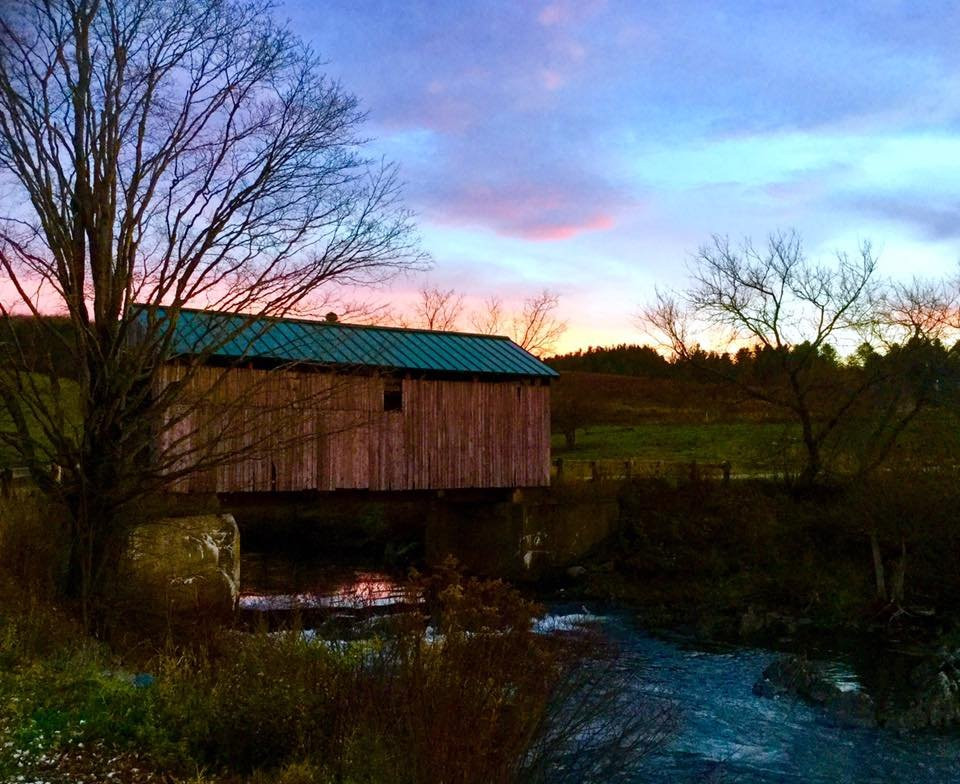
x=438 y=308
x=775 y=298
x=489 y=320
x=535 y=327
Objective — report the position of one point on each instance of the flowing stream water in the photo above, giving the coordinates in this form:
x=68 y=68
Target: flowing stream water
x=724 y=733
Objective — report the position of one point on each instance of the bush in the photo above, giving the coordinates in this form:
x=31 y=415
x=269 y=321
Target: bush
x=257 y=702
x=455 y=701
x=461 y=702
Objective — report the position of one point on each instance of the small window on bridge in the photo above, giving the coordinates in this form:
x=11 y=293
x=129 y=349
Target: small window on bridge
x=393 y=394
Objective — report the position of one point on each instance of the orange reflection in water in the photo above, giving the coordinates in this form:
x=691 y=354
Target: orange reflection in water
x=363 y=590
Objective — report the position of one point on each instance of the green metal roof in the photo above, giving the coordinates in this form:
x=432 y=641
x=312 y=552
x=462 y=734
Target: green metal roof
x=234 y=336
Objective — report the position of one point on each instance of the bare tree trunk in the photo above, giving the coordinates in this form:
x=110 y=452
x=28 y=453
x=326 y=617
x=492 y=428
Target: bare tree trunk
x=878 y=570
x=814 y=465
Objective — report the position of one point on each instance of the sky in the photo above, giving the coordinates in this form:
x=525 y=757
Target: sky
x=591 y=147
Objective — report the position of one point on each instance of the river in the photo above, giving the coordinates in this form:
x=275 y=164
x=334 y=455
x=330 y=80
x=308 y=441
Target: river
x=726 y=733
x=723 y=732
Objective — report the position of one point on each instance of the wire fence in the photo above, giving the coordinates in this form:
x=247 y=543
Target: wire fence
x=567 y=470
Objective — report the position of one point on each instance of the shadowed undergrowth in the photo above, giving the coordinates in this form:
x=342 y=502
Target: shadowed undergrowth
x=465 y=692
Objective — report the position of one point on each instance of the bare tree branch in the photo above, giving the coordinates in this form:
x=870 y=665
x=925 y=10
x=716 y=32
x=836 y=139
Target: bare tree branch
x=489 y=320
x=438 y=308
x=791 y=309
x=536 y=327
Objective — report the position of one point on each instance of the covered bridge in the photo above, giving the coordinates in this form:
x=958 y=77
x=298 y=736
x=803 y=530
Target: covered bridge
x=323 y=406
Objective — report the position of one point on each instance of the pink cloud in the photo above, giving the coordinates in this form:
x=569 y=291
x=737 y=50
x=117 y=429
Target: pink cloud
x=539 y=213
x=562 y=12
x=574 y=50
x=598 y=222
x=553 y=14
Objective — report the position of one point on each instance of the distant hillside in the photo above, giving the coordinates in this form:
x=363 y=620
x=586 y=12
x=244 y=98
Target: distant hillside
x=610 y=399
x=29 y=344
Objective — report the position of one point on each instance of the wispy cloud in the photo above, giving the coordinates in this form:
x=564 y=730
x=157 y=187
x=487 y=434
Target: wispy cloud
x=932 y=218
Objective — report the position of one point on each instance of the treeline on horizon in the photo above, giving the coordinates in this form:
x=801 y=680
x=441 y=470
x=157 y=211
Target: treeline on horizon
x=23 y=343
x=644 y=361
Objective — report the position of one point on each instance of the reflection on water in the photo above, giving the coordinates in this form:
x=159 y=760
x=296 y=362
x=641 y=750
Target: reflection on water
x=356 y=591
x=275 y=583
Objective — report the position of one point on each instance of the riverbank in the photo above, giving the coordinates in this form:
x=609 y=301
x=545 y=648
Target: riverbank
x=753 y=560
x=464 y=689
x=719 y=726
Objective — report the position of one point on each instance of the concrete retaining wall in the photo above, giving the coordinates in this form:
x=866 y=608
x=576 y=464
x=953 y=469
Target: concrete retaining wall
x=536 y=530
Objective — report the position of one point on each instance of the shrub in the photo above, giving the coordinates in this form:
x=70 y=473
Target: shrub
x=259 y=701
x=462 y=701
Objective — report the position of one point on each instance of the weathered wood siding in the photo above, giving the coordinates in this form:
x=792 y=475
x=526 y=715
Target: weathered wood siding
x=321 y=431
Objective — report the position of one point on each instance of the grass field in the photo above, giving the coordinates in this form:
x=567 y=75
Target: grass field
x=678 y=423
x=748 y=446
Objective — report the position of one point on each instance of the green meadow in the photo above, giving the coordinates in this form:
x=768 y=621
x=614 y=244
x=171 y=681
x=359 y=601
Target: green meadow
x=747 y=446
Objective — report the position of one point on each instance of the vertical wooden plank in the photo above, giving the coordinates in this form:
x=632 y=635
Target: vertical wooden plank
x=323 y=432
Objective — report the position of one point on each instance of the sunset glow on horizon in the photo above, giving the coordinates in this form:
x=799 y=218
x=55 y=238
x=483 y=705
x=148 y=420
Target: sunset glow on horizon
x=589 y=148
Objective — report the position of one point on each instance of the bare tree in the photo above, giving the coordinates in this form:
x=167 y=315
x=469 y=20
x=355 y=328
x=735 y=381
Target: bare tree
x=919 y=310
x=536 y=327
x=915 y=320
x=489 y=320
x=169 y=153
x=792 y=309
x=439 y=308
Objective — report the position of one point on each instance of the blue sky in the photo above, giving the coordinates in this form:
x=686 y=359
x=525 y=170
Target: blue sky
x=589 y=147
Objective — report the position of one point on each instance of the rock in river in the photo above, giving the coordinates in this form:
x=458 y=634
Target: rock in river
x=799 y=677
